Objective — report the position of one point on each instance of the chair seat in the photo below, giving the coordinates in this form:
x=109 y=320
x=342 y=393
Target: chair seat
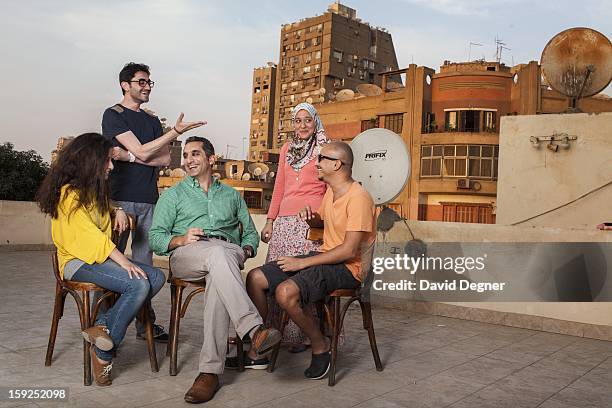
x=183 y=283
x=344 y=293
x=82 y=286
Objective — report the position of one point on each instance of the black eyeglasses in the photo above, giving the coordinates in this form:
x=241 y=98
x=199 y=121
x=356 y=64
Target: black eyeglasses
x=322 y=157
x=144 y=82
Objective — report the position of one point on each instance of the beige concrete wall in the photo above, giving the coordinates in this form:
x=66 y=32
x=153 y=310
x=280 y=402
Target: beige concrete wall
x=22 y=225
x=535 y=180
x=431 y=231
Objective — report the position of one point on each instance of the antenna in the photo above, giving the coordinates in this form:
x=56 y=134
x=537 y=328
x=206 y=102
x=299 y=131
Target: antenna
x=470 y=50
x=227 y=149
x=499 y=47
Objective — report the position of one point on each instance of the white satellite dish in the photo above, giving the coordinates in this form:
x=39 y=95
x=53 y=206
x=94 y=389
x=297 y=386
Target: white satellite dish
x=272 y=174
x=381 y=163
x=322 y=91
x=369 y=89
x=246 y=176
x=345 y=95
x=258 y=169
x=309 y=99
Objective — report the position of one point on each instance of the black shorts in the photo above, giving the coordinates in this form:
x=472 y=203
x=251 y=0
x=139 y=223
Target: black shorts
x=314 y=282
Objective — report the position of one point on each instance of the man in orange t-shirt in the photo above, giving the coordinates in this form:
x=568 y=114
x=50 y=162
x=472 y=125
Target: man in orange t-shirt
x=347 y=215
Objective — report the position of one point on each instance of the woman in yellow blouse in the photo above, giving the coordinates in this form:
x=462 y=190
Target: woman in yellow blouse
x=75 y=195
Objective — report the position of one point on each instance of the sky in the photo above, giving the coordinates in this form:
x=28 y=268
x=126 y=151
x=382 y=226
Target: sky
x=61 y=59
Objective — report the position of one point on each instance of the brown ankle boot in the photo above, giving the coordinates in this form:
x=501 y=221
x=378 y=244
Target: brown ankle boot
x=101 y=372
x=203 y=389
x=98 y=336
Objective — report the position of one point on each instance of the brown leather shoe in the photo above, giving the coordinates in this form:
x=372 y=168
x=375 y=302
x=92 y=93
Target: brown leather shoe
x=101 y=372
x=203 y=389
x=98 y=336
x=263 y=340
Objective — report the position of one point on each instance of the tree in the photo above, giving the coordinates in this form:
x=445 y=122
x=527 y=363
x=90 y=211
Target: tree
x=20 y=173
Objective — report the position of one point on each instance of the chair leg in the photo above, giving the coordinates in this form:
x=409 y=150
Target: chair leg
x=240 y=353
x=172 y=306
x=368 y=324
x=336 y=327
x=176 y=318
x=149 y=336
x=284 y=319
x=85 y=324
x=60 y=298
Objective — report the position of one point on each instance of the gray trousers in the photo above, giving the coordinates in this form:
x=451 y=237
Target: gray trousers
x=143 y=214
x=225 y=298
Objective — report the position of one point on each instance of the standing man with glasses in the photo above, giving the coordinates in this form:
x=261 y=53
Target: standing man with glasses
x=140 y=147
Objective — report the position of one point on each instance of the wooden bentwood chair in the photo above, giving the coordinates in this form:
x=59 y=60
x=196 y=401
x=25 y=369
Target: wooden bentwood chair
x=178 y=308
x=334 y=316
x=80 y=291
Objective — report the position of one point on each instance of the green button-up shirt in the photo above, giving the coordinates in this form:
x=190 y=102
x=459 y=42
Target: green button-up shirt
x=221 y=211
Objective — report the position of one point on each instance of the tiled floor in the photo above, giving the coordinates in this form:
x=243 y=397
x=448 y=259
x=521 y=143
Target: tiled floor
x=429 y=361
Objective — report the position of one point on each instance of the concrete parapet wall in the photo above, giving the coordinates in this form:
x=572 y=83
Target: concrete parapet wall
x=592 y=320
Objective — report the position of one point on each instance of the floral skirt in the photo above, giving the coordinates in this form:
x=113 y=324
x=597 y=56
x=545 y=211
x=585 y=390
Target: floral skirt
x=289 y=239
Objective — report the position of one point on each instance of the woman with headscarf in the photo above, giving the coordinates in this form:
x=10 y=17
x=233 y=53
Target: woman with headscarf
x=297 y=184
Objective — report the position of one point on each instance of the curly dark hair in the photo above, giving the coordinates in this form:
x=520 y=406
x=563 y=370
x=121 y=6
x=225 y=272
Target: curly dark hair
x=81 y=164
x=129 y=71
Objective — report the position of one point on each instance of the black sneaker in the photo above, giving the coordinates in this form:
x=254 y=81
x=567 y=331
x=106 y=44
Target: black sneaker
x=319 y=366
x=159 y=334
x=231 y=363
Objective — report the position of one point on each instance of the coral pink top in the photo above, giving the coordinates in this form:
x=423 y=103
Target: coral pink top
x=295 y=189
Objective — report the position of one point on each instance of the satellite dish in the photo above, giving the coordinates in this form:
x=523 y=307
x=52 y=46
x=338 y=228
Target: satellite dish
x=322 y=91
x=161 y=173
x=577 y=63
x=321 y=98
x=369 y=89
x=178 y=172
x=217 y=175
x=258 y=169
x=272 y=174
x=246 y=176
x=392 y=85
x=381 y=164
x=309 y=99
x=345 y=95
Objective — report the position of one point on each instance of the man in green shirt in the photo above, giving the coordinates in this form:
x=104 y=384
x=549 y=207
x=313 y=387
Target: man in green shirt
x=198 y=223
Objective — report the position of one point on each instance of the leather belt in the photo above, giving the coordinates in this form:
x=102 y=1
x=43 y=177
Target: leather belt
x=207 y=237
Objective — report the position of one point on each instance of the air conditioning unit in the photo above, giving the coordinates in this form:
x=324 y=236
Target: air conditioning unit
x=349 y=73
x=463 y=184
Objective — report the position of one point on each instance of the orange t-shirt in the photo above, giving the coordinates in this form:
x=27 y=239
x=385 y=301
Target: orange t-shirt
x=354 y=211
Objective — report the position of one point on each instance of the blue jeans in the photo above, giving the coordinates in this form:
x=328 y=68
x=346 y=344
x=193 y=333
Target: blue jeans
x=133 y=293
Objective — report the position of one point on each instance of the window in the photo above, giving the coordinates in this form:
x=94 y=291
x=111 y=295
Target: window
x=474 y=161
x=370 y=124
x=431 y=161
x=306 y=70
x=308 y=58
x=257 y=90
x=450 y=120
x=394 y=122
x=317 y=40
x=468 y=212
x=337 y=55
x=318 y=55
x=307 y=43
x=489 y=121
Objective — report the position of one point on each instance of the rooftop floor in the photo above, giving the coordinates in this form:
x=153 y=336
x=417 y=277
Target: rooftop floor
x=428 y=361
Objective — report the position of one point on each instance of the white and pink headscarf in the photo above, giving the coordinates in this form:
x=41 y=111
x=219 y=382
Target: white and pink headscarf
x=302 y=151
